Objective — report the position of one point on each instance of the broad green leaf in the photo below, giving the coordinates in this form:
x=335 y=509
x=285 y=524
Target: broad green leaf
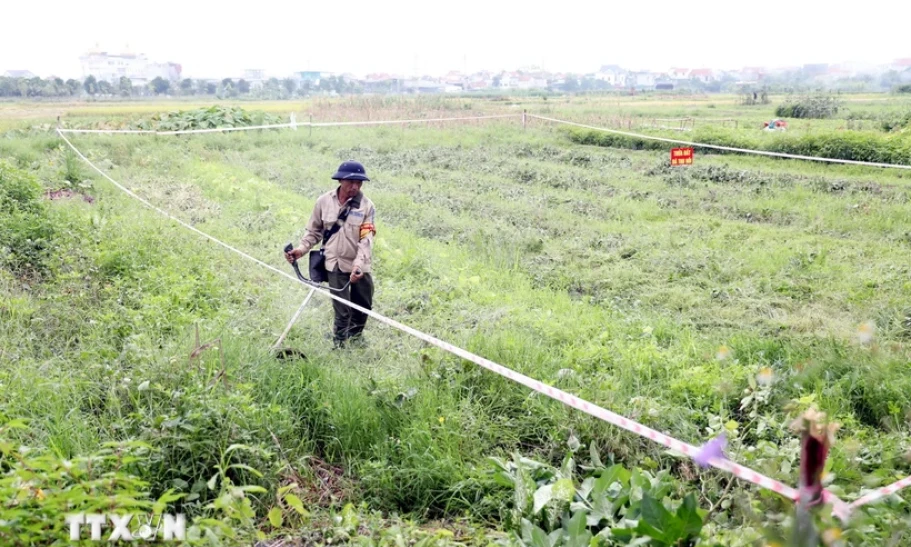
x=601 y=509
x=234 y=447
x=275 y=517
x=543 y=496
x=585 y=489
x=688 y=516
x=657 y=522
x=539 y=538
x=296 y=503
x=246 y=468
x=211 y=482
x=595 y=456
x=577 y=529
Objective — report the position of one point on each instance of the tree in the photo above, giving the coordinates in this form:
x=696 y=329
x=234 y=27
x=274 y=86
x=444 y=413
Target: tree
x=211 y=88
x=290 y=85
x=125 y=87
x=8 y=87
x=889 y=79
x=186 y=87
x=36 y=87
x=58 y=87
x=74 y=86
x=91 y=85
x=243 y=86
x=105 y=87
x=159 y=85
x=227 y=88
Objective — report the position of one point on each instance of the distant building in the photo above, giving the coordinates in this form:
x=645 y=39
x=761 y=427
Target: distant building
x=815 y=69
x=704 y=75
x=312 y=77
x=901 y=65
x=612 y=74
x=679 y=74
x=423 y=85
x=137 y=67
x=644 y=80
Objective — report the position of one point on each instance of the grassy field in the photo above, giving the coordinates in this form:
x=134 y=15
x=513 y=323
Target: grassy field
x=660 y=293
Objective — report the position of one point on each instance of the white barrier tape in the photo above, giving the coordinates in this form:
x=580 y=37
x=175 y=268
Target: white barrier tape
x=727 y=148
x=283 y=125
x=880 y=493
x=225 y=129
x=420 y=120
x=632 y=426
x=108 y=131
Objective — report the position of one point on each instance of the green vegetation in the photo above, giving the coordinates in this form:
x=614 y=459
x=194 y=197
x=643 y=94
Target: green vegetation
x=726 y=297
x=205 y=118
x=845 y=145
x=809 y=106
x=25 y=229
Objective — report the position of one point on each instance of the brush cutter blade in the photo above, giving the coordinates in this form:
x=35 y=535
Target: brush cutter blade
x=289 y=354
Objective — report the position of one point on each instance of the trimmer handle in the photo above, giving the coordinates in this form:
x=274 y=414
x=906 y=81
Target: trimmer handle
x=288 y=248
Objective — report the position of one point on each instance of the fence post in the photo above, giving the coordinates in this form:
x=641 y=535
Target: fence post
x=524 y=112
x=311 y=126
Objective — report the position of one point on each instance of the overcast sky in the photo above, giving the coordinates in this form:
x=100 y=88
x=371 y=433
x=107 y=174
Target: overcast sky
x=363 y=36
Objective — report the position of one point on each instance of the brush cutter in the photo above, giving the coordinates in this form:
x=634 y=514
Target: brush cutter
x=290 y=353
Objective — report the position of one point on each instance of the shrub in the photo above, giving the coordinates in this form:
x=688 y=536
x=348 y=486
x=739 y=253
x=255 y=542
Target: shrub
x=206 y=118
x=896 y=122
x=25 y=230
x=809 y=106
x=905 y=88
x=845 y=145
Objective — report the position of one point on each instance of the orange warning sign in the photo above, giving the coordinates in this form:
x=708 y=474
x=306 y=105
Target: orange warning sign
x=681 y=156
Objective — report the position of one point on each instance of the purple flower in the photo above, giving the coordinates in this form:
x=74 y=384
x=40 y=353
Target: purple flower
x=712 y=449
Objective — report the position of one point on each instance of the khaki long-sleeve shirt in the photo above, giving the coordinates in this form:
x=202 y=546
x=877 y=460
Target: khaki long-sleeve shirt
x=352 y=245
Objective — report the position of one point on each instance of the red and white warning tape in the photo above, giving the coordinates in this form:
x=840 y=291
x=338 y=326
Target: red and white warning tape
x=881 y=492
x=842 y=509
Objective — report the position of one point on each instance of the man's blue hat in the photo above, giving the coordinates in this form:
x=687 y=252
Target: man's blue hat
x=350 y=170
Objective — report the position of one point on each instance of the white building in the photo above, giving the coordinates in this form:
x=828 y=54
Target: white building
x=137 y=67
x=612 y=74
x=256 y=77
x=642 y=79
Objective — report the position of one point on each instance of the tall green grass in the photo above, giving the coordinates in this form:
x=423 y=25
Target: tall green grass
x=595 y=270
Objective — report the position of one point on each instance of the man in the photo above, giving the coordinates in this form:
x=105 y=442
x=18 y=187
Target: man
x=348 y=252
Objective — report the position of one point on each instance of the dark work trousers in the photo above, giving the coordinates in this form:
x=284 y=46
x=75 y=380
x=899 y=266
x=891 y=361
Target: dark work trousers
x=348 y=321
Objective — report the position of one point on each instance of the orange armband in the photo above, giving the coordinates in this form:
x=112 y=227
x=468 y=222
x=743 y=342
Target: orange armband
x=366 y=229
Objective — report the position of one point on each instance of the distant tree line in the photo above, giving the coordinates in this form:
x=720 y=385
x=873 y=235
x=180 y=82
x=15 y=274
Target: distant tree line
x=272 y=88
x=287 y=88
